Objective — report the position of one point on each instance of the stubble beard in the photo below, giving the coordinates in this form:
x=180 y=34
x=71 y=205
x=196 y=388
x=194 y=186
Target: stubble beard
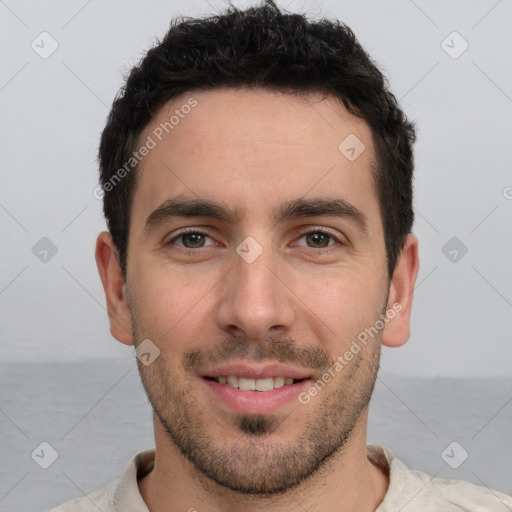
x=247 y=453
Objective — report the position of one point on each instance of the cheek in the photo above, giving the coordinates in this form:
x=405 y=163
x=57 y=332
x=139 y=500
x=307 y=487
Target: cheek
x=346 y=291
x=169 y=302
x=346 y=303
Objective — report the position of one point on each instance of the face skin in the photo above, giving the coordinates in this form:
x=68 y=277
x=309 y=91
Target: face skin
x=302 y=301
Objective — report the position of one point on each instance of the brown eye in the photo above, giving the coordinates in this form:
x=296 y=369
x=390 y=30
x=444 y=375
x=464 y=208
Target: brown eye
x=318 y=239
x=195 y=239
x=190 y=240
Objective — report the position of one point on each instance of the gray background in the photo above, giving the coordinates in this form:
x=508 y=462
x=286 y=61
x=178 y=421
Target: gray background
x=60 y=365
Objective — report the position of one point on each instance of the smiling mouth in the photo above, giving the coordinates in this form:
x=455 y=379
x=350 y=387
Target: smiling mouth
x=262 y=385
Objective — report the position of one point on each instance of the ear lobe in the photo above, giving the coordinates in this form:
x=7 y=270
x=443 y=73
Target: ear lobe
x=401 y=289
x=115 y=289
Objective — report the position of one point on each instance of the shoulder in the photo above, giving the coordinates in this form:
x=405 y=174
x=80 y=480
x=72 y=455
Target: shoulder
x=100 y=499
x=120 y=494
x=416 y=491
x=459 y=495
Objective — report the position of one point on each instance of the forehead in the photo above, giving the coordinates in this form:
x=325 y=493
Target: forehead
x=254 y=149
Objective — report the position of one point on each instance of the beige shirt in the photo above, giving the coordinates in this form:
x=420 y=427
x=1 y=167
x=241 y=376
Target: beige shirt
x=408 y=491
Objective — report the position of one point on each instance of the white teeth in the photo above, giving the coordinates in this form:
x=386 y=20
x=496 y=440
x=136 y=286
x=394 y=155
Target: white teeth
x=279 y=382
x=244 y=384
x=264 y=384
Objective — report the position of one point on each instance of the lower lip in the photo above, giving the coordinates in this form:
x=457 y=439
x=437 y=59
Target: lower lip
x=256 y=402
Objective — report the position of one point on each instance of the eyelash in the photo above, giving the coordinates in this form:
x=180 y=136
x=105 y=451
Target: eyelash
x=305 y=232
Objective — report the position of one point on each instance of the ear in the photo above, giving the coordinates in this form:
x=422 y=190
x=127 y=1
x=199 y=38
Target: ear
x=401 y=289
x=115 y=289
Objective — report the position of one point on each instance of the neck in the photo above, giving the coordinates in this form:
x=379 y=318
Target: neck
x=348 y=482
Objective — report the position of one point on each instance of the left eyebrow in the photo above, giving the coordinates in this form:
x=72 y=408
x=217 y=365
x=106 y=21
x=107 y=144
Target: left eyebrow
x=294 y=209
x=320 y=207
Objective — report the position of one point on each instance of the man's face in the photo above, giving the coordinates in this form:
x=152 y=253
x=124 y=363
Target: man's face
x=255 y=289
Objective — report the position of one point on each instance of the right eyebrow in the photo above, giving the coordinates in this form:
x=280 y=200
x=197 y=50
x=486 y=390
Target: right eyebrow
x=178 y=207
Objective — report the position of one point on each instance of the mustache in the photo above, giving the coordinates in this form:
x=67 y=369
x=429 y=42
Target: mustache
x=281 y=349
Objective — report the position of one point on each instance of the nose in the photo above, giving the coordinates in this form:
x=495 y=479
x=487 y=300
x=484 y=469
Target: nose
x=256 y=300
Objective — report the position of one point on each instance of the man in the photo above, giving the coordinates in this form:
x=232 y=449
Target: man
x=258 y=193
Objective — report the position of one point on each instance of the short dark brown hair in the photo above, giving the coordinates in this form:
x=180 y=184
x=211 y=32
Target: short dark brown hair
x=265 y=48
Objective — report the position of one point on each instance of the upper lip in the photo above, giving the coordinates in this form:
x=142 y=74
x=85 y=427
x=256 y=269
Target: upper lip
x=250 y=371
